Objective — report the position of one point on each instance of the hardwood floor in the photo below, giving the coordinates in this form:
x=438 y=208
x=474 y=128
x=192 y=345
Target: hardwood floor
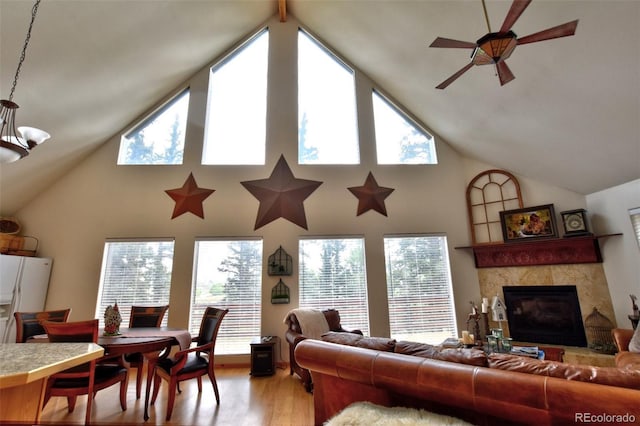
x=244 y=400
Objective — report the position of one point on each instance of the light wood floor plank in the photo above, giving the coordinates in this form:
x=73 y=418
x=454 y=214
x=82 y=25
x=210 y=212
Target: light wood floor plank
x=244 y=400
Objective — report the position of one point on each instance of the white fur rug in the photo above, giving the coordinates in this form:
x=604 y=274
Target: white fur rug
x=368 y=414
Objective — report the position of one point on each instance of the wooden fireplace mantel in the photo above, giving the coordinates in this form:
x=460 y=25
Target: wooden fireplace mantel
x=543 y=252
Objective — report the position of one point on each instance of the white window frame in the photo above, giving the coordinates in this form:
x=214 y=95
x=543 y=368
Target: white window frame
x=236 y=117
x=415 y=312
x=158 y=137
x=398 y=124
x=333 y=128
x=134 y=295
x=353 y=309
x=243 y=322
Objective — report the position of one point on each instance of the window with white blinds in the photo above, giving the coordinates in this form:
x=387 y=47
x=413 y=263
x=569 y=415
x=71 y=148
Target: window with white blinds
x=420 y=296
x=135 y=273
x=332 y=275
x=228 y=275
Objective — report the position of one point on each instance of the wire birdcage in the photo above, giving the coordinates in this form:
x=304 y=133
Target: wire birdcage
x=280 y=263
x=280 y=293
x=598 y=328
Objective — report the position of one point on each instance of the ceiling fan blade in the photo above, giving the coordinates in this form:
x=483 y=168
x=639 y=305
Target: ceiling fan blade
x=504 y=73
x=563 y=30
x=448 y=42
x=517 y=7
x=454 y=77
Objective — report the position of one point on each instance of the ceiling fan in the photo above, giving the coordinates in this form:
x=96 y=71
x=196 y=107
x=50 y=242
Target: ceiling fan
x=495 y=48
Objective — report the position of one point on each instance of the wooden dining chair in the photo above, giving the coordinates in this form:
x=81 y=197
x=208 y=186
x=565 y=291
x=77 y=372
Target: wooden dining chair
x=143 y=316
x=86 y=379
x=194 y=362
x=29 y=324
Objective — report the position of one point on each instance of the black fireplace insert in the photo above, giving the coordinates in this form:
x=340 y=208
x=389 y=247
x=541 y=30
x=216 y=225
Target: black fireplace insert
x=545 y=314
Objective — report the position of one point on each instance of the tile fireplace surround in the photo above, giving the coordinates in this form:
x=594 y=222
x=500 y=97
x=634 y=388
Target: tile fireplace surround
x=589 y=279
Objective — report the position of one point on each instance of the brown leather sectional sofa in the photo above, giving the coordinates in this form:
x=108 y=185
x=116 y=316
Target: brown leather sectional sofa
x=465 y=383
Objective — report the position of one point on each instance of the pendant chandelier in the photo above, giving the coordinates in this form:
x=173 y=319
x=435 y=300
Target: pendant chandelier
x=16 y=143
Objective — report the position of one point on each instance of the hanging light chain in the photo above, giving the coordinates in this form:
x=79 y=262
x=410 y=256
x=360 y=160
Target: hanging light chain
x=34 y=11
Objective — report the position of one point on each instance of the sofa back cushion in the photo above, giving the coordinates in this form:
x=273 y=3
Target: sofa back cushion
x=333 y=319
x=621 y=377
x=351 y=339
x=470 y=356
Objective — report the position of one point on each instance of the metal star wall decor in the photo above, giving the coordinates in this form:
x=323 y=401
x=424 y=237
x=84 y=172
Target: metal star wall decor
x=371 y=196
x=282 y=195
x=189 y=198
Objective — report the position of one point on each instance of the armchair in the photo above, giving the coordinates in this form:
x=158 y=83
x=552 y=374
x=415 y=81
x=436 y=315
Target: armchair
x=194 y=362
x=295 y=334
x=625 y=358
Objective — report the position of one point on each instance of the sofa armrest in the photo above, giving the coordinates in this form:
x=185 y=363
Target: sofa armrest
x=622 y=337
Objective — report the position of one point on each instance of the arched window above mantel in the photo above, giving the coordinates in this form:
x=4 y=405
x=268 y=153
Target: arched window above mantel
x=489 y=193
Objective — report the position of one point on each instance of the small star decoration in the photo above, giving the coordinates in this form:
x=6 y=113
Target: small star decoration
x=282 y=195
x=371 y=196
x=189 y=198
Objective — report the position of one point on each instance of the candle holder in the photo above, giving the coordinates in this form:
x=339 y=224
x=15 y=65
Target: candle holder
x=492 y=344
x=473 y=326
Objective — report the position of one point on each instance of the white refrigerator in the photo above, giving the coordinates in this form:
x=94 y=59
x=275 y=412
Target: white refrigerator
x=23 y=288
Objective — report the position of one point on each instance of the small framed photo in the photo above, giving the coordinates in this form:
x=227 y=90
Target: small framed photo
x=530 y=223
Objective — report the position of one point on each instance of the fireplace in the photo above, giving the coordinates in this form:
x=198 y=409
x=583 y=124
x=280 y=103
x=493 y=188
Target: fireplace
x=545 y=314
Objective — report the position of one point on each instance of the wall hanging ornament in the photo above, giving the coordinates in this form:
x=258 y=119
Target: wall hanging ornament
x=281 y=195
x=280 y=263
x=280 y=293
x=371 y=196
x=189 y=198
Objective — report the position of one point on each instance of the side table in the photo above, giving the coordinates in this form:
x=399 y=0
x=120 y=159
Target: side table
x=263 y=355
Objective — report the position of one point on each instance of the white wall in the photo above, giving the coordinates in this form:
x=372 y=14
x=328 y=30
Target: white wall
x=609 y=213
x=99 y=200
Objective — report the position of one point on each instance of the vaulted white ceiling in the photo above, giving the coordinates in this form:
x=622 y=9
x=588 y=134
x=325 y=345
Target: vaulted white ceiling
x=571 y=117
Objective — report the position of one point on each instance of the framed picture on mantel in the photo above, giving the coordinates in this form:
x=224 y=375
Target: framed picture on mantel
x=529 y=223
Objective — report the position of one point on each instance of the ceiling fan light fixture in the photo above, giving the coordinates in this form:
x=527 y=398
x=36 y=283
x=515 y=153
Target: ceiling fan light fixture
x=12 y=146
x=494 y=47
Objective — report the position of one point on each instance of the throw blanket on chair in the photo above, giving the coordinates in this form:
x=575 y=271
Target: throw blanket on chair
x=312 y=322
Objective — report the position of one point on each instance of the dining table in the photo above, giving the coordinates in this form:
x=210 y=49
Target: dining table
x=153 y=343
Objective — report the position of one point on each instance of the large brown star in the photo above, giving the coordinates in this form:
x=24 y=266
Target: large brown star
x=189 y=198
x=282 y=195
x=371 y=196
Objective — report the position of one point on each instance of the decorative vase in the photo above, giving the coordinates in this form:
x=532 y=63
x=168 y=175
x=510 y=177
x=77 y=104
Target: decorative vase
x=112 y=320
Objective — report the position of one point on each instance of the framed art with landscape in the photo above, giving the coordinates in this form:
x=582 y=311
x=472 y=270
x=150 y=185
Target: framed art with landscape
x=529 y=223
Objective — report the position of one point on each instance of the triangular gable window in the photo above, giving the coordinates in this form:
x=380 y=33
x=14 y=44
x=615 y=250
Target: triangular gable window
x=327 y=121
x=399 y=140
x=159 y=139
x=235 y=130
